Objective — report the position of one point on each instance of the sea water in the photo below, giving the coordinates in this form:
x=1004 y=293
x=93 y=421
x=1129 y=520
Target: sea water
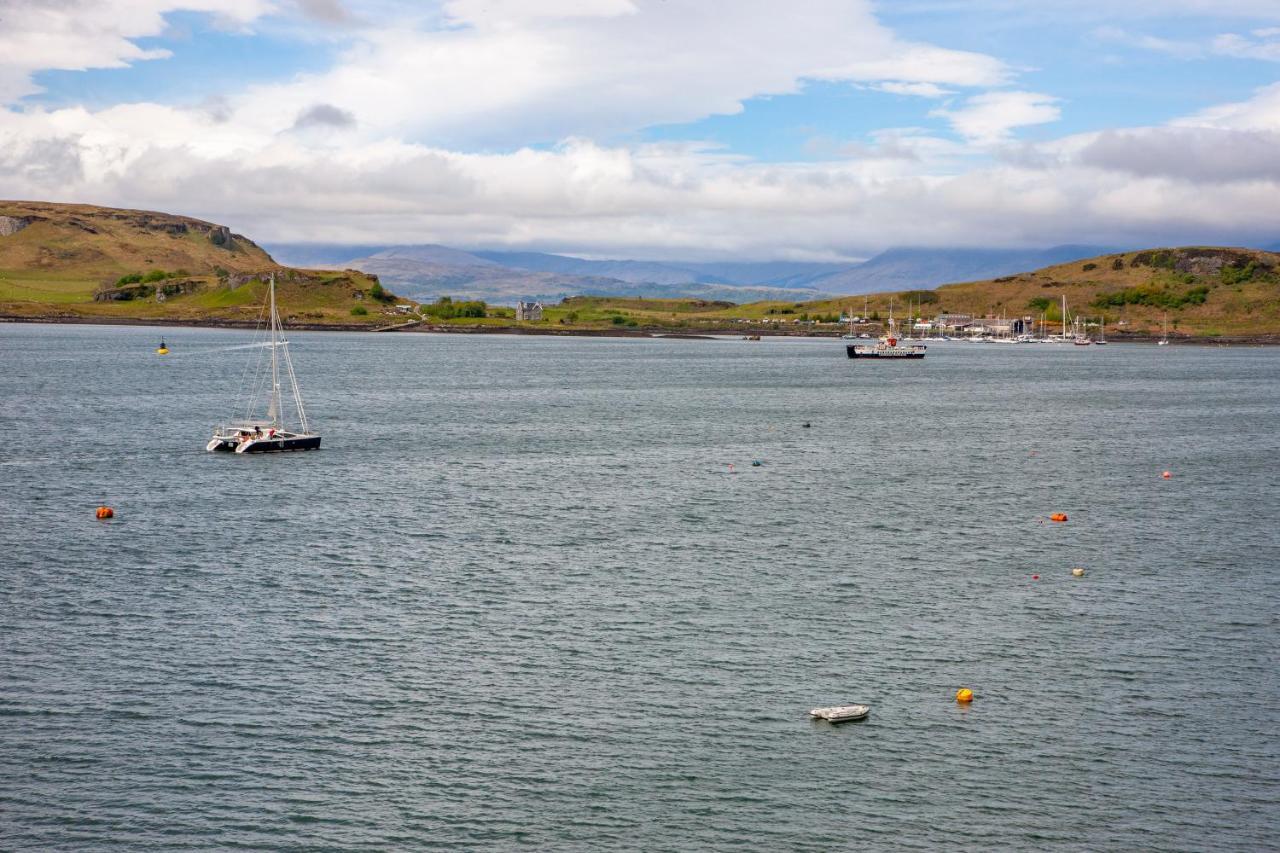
x=532 y=591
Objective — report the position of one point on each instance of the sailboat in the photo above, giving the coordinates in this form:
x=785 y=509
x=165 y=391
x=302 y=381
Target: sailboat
x=1164 y=335
x=1081 y=333
x=851 y=336
x=1102 y=333
x=270 y=434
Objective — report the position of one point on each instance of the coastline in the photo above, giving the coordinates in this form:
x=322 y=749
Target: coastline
x=1267 y=339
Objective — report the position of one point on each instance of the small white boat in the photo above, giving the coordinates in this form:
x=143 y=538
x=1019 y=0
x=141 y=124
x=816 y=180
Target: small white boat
x=841 y=713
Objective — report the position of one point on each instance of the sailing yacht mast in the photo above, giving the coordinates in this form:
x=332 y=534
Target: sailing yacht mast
x=275 y=361
x=1064 y=315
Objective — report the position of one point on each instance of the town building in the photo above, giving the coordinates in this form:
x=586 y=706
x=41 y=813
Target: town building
x=952 y=323
x=529 y=311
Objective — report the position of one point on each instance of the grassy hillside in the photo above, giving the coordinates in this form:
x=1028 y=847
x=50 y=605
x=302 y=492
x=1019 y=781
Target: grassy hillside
x=1203 y=291
x=80 y=261
x=75 y=260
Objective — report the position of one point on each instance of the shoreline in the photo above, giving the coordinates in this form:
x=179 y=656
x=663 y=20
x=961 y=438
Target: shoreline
x=1263 y=339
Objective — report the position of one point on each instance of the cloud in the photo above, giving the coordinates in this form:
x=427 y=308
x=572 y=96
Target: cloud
x=646 y=200
x=449 y=104
x=922 y=90
x=1194 y=154
x=74 y=35
x=325 y=11
x=990 y=118
x=324 y=115
x=1261 y=112
x=1180 y=49
x=498 y=74
x=1261 y=44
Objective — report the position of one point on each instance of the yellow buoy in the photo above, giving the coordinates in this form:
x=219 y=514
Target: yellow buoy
x=1078 y=572
x=162 y=351
x=964 y=694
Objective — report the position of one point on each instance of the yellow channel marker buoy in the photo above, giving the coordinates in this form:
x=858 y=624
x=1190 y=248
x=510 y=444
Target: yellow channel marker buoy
x=964 y=694
x=162 y=349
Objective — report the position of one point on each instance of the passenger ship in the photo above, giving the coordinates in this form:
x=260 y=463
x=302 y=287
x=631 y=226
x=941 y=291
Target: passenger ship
x=886 y=347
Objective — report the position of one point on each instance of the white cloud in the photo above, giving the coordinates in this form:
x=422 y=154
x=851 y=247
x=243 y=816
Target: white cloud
x=1177 y=48
x=920 y=90
x=1261 y=112
x=501 y=74
x=37 y=35
x=1260 y=44
x=990 y=118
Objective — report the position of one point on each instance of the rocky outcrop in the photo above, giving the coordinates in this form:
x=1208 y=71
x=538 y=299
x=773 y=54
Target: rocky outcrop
x=220 y=235
x=10 y=225
x=161 y=290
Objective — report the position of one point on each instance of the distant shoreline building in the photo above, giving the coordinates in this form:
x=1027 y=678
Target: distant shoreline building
x=529 y=311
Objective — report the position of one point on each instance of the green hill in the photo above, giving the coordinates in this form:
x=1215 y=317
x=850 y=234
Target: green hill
x=82 y=261
x=1204 y=291
x=75 y=261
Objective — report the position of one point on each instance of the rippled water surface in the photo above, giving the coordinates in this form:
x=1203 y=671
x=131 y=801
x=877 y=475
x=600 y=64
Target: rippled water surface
x=519 y=598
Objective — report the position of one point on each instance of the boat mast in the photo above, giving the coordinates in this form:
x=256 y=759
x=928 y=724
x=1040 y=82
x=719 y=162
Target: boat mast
x=275 y=361
x=1064 y=315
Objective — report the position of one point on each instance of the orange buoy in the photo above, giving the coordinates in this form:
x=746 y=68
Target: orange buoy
x=964 y=694
x=1058 y=516
x=106 y=512
x=1167 y=475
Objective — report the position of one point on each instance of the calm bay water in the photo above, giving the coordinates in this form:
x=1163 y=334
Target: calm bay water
x=518 y=598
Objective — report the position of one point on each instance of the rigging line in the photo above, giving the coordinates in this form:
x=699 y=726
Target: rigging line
x=297 y=393
x=253 y=365
x=218 y=350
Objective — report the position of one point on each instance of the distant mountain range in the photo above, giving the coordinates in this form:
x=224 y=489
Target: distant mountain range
x=425 y=272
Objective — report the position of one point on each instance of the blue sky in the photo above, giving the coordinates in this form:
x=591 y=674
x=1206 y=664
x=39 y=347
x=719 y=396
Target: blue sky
x=806 y=129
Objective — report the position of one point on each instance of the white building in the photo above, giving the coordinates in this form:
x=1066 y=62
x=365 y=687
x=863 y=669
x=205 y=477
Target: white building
x=528 y=310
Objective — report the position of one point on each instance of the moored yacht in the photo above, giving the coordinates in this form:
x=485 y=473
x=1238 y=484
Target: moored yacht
x=270 y=434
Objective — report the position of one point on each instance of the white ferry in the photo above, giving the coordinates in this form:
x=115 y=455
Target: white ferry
x=886 y=347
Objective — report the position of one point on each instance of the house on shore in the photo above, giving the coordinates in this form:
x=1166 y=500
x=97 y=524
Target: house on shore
x=529 y=311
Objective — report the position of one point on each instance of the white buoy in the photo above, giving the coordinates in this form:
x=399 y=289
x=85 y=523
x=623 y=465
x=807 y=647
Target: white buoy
x=1077 y=572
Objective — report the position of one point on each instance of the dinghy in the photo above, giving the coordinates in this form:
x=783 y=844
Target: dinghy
x=841 y=713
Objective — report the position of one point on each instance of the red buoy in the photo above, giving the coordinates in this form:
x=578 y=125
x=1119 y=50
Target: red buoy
x=1167 y=475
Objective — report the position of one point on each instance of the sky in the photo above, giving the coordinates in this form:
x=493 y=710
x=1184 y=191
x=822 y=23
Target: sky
x=662 y=129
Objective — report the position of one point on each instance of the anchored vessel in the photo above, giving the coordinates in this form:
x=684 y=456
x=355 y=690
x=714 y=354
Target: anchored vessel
x=270 y=434
x=886 y=347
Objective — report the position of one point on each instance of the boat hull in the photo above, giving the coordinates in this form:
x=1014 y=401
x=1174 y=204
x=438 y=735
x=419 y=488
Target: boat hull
x=854 y=351
x=280 y=445
x=841 y=713
x=284 y=444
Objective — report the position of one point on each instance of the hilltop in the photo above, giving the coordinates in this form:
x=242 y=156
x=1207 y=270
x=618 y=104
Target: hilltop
x=79 y=261
x=1205 y=291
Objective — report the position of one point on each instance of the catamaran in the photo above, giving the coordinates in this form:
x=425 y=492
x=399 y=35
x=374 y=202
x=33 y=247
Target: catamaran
x=270 y=434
